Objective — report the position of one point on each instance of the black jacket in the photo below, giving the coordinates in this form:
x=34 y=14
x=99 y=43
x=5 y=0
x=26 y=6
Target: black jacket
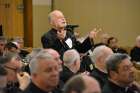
x=110 y=87
x=135 y=54
x=13 y=87
x=50 y=40
x=32 y=88
x=101 y=77
x=66 y=74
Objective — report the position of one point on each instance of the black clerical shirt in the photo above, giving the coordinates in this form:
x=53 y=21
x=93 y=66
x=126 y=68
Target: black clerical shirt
x=32 y=88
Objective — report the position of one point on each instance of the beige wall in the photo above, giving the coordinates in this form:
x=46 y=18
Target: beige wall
x=120 y=18
x=41 y=8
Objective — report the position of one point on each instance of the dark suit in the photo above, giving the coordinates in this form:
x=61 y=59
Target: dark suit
x=101 y=77
x=135 y=54
x=50 y=40
x=110 y=87
x=66 y=74
x=32 y=88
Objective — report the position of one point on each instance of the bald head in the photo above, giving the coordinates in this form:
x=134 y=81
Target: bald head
x=52 y=51
x=87 y=85
x=99 y=56
x=70 y=56
x=101 y=52
x=57 y=19
x=92 y=86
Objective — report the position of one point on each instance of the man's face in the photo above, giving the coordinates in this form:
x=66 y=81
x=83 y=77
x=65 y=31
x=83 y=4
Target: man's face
x=58 y=20
x=56 y=56
x=125 y=72
x=48 y=73
x=13 y=67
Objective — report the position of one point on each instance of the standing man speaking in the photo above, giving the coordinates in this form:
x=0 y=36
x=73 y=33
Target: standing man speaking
x=60 y=39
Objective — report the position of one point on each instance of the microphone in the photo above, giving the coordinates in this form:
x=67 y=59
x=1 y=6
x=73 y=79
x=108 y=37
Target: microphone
x=71 y=27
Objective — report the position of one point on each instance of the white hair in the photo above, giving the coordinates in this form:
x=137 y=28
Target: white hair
x=51 y=14
x=42 y=55
x=70 y=56
x=98 y=52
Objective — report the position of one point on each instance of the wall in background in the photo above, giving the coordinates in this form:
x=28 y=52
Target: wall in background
x=120 y=18
x=41 y=8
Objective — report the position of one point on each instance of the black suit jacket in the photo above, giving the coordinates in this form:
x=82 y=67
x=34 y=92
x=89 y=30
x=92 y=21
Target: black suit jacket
x=111 y=87
x=32 y=88
x=50 y=40
x=101 y=77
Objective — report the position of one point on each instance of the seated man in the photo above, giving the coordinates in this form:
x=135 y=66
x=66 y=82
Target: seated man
x=121 y=75
x=71 y=66
x=44 y=74
x=99 y=56
x=113 y=44
x=22 y=52
x=82 y=84
x=135 y=52
x=11 y=47
x=15 y=77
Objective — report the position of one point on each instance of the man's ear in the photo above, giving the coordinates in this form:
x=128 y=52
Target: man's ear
x=113 y=74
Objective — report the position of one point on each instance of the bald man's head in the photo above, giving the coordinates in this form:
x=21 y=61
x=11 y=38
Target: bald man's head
x=57 y=19
x=82 y=84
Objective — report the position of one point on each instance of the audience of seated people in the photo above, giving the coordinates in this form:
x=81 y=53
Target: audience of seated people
x=121 y=75
x=99 y=56
x=135 y=52
x=113 y=44
x=59 y=63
